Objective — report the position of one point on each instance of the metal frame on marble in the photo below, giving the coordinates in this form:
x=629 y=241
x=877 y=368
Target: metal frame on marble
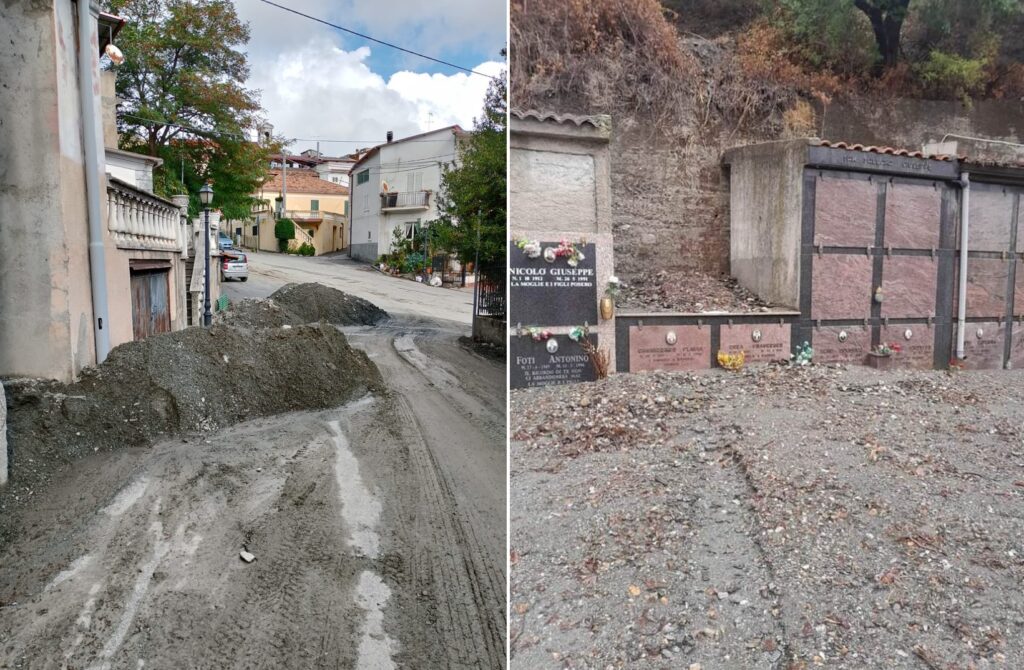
x=944 y=255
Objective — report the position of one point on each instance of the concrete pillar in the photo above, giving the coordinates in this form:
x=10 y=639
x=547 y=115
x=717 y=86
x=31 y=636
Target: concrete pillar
x=3 y=436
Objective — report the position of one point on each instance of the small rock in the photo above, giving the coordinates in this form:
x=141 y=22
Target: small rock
x=246 y=556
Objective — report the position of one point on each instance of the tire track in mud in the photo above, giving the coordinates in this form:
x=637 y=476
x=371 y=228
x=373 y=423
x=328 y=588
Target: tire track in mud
x=467 y=627
x=283 y=614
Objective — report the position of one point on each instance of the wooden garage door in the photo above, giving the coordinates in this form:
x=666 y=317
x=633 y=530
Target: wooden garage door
x=151 y=304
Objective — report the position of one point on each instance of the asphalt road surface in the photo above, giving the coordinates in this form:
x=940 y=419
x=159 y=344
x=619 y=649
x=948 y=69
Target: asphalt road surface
x=377 y=528
x=269 y=271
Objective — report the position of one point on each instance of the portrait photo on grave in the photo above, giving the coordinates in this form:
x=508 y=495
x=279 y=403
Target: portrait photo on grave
x=765 y=333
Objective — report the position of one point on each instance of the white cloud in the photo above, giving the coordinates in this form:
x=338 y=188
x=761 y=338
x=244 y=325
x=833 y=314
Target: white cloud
x=322 y=91
x=442 y=100
x=315 y=83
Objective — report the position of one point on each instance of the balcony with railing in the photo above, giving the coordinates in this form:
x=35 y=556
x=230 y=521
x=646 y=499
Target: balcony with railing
x=313 y=216
x=404 y=201
x=137 y=219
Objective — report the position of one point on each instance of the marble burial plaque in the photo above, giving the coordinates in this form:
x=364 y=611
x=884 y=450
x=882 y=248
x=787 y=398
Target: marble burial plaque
x=841 y=344
x=676 y=348
x=991 y=220
x=984 y=346
x=761 y=343
x=841 y=286
x=533 y=363
x=844 y=212
x=1017 y=346
x=917 y=351
x=987 y=280
x=913 y=216
x=553 y=294
x=908 y=286
x=1018 y=291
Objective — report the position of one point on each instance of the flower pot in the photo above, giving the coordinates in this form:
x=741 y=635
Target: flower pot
x=879 y=361
x=607 y=308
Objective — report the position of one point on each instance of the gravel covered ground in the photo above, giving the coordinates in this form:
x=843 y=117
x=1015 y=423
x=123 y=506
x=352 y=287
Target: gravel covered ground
x=772 y=518
x=689 y=292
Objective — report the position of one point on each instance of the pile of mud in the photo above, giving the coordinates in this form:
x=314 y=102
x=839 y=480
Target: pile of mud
x=191 y=380
x=295 y=304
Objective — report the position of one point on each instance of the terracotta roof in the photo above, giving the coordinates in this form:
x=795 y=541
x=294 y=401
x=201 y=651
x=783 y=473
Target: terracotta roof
x=304 y=181
x=577 y=119
x=891 y=151
x=456 y=130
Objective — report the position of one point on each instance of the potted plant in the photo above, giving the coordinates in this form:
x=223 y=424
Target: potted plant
x=880 y=357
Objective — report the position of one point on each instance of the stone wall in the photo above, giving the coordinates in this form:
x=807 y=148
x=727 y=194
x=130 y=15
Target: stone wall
x=670 y=194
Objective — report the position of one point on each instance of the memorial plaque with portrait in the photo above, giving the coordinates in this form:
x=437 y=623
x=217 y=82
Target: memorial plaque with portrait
x=553 y=292
x=556 y=360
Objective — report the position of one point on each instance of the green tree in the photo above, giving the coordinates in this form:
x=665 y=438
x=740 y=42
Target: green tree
x=471 y=204
x=284 y=231
x=887 y=18
x=185 y=100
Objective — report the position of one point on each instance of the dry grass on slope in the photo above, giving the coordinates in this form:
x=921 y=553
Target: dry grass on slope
x=598 y=56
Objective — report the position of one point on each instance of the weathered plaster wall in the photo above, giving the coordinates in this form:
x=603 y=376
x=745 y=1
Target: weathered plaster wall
x=45 y=304
x=766 y=195
x=578 y=204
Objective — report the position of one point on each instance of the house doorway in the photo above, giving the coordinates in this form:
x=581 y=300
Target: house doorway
x=151 y=298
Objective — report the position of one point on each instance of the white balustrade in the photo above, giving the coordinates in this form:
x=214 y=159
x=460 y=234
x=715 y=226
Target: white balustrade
x=139 y=220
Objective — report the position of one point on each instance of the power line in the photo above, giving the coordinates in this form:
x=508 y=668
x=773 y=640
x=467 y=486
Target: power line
x=374 y=39
x=191 y=129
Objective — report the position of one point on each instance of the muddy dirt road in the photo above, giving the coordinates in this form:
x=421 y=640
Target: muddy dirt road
x=377 y=530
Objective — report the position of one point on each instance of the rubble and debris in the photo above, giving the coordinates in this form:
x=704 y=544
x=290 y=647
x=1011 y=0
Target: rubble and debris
x=689 y=292
x=194 y=380
x=296 y=304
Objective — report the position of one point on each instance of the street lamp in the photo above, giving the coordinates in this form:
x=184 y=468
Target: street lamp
x=206 y=197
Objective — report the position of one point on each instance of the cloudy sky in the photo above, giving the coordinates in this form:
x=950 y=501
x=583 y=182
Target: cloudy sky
x=320 y=83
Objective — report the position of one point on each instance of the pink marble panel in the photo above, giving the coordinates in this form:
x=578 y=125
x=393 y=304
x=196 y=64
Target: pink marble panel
x=913 y=216
x=845 y=212
x=1017 y=346
x=760 y=343
x=908 y=286
x=829 y=347
x=991 y=214
x=1018 y=291
x=986 y=287
x=917 y=351
x=841 y=286
x=983 y=345
x=650 y=348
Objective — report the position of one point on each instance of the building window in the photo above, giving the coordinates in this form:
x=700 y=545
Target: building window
x=363 y=177
x=255 y=231
x=412 y=229
x=314 y=205
x=346 y=208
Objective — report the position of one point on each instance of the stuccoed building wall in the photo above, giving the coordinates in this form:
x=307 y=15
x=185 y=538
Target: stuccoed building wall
x=45 y=304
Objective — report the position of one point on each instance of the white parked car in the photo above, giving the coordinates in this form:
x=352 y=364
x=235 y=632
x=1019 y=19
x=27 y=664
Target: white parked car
x=234 y=265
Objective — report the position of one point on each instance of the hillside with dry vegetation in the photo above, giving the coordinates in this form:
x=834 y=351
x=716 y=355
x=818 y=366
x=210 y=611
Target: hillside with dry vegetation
x=685 y=79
